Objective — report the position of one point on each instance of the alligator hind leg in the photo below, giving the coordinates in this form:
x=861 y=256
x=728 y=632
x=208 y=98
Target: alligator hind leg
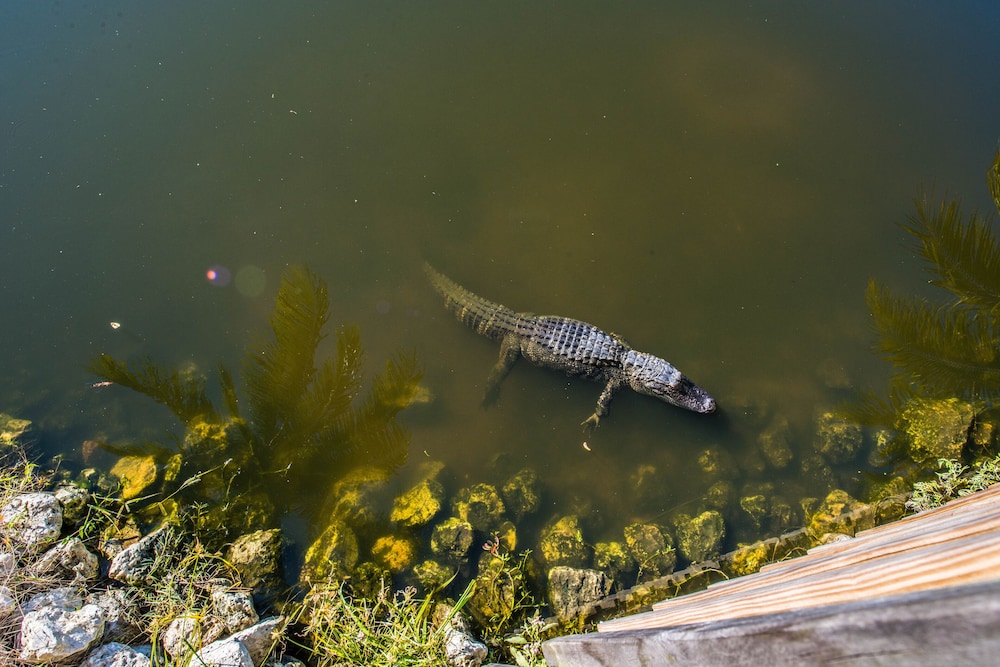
x=510 y=350
x=603 y=404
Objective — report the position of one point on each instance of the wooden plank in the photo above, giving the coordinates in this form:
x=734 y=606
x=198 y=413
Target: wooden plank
x=955 y=544
x=950 y=626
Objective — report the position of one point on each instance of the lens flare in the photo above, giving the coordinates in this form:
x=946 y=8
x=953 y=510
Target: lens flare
x=218 y=275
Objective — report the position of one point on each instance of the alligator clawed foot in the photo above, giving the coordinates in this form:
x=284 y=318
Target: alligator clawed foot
x=590 y=423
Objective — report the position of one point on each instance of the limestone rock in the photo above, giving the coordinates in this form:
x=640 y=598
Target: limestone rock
x=836 y=514
x=185 y=635
x=452 y=539
x=572 y=591
x=419 y=505
x=8 y=603
x=133 y=563
x=562 y=543
x=69 y=557
x=259 y=638
x=700 y=538
x=66 y=598
x=460 y=645
x=53 y=634
x=12 y=430
x=235 y=609
x=613 y=559
x=121 y=611
x=31 y=521
x=224 y=653
x=114 y=654
x=74 y=502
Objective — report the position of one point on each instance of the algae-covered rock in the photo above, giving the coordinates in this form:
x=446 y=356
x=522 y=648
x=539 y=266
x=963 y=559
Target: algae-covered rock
x=613 y=559
x=573 y=591
x=136 y=473
x=774 y=442
x=756 y=506
x=521 y=494
x=369 y=580
x=719 y=496
x=480 y=505
x=652 y=548
x=419 y=505
x=840 y=513
x=358 y=496
x=700 y=538
x=13 y=431
x=935 y=428
x=715 y=463
x=562 y=543
x=748 y=559
x=432 y=575
x=837 y=439
x=394 y=552
x=257 y=558
x=333 y=554
x=452 y=539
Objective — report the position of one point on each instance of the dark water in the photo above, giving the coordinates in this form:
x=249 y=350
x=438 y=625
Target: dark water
x=715 y=183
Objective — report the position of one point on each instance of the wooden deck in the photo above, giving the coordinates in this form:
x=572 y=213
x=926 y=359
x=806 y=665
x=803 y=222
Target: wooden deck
x=925 y=569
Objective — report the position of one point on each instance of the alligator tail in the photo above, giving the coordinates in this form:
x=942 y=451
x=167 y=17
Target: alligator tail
x=486 y=317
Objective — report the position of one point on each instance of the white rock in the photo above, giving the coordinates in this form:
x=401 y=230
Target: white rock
x=8 y=563
x=259 y=638
x=74 y=502
x=120 y=607
x=8 y=604
x=31 y=520
x=57 y=635
x=132 y=564
x=66 y=598
x=72 y=557
x=224 y=653
x=186 y=634
x=235 y=608
x=116 y=655
x=460 y=647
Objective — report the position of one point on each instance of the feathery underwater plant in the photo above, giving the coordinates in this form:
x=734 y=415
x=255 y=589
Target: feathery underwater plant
x=951 y=349
x=300 y=419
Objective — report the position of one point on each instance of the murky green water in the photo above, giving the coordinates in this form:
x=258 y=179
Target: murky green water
x=716 y=184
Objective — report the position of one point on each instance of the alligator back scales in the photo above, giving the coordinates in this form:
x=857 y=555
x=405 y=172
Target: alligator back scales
x=574 y=347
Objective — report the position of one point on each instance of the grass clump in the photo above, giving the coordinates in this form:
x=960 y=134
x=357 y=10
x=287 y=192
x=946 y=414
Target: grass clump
x=954 y=480
x=340 y=628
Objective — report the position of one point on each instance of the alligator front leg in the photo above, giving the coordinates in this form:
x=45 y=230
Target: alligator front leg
x=603 y=404
x=510 y=350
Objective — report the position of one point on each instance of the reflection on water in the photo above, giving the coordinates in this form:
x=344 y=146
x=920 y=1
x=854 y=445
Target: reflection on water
x=714 y=184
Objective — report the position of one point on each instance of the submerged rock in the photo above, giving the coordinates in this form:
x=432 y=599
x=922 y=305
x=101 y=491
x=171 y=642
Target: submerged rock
x=562 y=543
x=481 y=506
x=334 y=553
x=573 y=591
x=395 y=552
x=521 y=494
x=840 y=513
x=837 y=439
x=774 y=442
x=12 y=431
x=136 y=474
x=432 y=575
x=356 y=498
x=613 y=559
x=419 y=505
x=452 y=539
x=936 y=428
x=700 y=538
x=257 y=558
x=651 y=548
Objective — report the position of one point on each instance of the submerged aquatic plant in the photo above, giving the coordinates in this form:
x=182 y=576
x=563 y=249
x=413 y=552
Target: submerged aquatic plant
x=301 y=419
x=951 y=348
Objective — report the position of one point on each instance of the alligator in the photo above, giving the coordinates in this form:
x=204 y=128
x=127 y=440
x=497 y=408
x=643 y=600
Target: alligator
x=574 y=347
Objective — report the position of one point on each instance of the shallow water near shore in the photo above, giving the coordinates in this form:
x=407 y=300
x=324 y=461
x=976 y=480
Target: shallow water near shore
x=715 y=184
